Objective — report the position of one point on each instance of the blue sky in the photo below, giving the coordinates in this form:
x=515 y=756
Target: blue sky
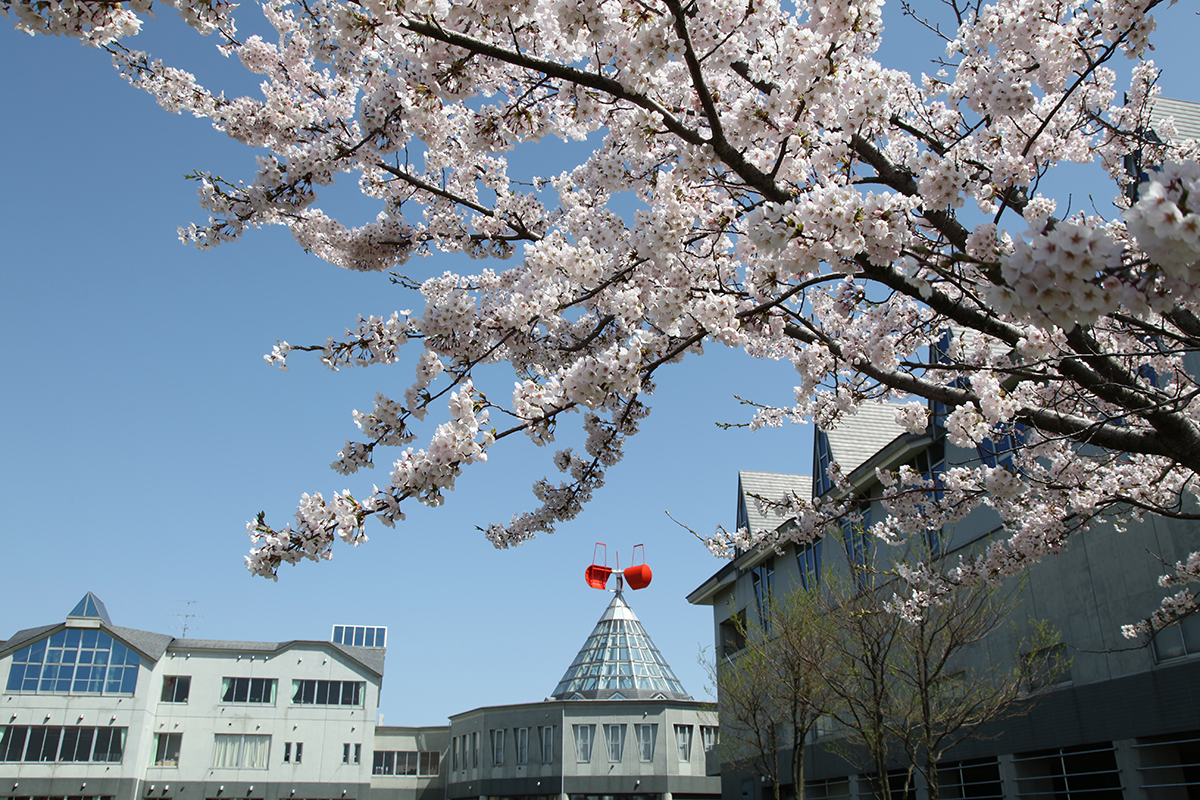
x=143 y=429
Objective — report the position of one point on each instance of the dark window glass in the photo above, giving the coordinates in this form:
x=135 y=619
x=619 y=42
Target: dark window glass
x=70 y=739
x=323 y=693
x=176 y=688
x=83 y=747
x=12 y=745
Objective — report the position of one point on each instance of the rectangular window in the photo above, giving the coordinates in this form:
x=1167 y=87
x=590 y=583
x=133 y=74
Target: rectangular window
x=176 y=688
x=431 y=762
x=683 y=742
x=346 y=753
x=548 y=744
x=287 y=752
x=167 y=752
x=299 y=751
x=240 y=751
x=454 y=755
x=248 y=690
x=763 y=578
x=41 y=743
x=327 y=693
x=497 y=747
x=475 y=748
x=359 y=635
x=583 y=742
x=646 y=733
x=521 y=740
x=614 y=737
x=808 y=561
x=708 y=737
x=358 y=753
x=1178 y=640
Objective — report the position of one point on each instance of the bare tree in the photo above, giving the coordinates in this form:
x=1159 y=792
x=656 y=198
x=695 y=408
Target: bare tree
x=772 y=693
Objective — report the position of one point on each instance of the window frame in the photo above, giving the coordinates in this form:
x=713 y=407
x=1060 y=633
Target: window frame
x=231 y=685
x=174 y=686
x=683 y=742
x=585 y=736
x=647 y=733
x=167 y=738
x=521 y=743
x=547 y=739
x=498 y=747
x=614 y=740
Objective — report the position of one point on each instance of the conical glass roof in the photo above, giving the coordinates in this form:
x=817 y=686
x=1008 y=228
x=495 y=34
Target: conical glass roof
x=90 y=607
x=618 y=661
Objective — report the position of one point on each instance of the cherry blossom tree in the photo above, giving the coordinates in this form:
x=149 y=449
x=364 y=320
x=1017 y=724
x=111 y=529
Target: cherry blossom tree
x=752 y=177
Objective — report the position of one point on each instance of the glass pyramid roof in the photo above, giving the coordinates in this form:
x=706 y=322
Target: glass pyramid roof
x=618 y=661
x=91 y=607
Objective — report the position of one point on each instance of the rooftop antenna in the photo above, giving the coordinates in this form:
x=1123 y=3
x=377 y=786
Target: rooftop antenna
x=186 y=615
x=638 y=576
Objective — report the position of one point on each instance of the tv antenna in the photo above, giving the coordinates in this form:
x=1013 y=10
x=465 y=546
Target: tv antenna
x=186 y=615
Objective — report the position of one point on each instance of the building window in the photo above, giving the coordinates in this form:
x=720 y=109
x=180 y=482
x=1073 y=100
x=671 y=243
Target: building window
x=359 y=635
x=548 y=744
x=248 y=690
x=521 y=740
x=1177 y=641
x=474 y=748
x=808 y=561
x=763 y=578
x=733 y=634
x=240 y=751
x=167 y=752
x=394 y=762
x=358 y=753
x=327 y=693
x=431 y=762
x=823 y=457
x=708 y=737
x=175 y=689
x=614 y=737
x=583 y=742
x=346 y=753
x=498 y=747
x=79 y=744
x=299 y=751
x=646 y=734
x=75 y=661
x=683 y=742
x=287 y=752
x=454 y=754
x=856 y=535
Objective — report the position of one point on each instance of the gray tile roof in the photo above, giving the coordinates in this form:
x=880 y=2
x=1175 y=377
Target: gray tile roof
x=152 y=645
x=770 y=486
x=857 y=438
x=1187 y=116
x=20 y=638
x=370 y=657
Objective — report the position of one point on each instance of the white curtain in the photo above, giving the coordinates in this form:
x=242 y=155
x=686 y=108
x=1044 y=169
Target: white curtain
x=227 y=750
x=255 y=751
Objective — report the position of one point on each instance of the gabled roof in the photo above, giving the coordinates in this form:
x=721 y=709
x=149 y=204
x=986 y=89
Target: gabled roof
x=769 y=486
x=859 y=437
x=619 y=661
